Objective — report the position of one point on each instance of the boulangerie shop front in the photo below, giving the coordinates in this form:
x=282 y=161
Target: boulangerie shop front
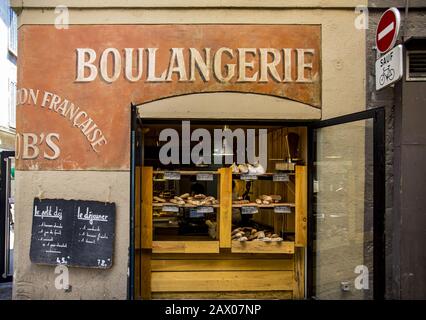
x=190 y=156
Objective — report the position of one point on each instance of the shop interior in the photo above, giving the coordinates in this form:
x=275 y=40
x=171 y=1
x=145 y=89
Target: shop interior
x=220 y=215
x=261 y=192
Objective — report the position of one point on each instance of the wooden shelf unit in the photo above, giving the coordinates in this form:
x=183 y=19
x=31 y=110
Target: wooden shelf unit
x=283 y=247
x=187 y=172
x=162 y=204
x=224 y=218
x=267 y=174
x=267 y=206
x=185 y=247
x=222 y=268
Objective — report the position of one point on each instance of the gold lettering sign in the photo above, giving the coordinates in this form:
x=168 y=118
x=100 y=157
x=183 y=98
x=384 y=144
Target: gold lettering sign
x=76 y=85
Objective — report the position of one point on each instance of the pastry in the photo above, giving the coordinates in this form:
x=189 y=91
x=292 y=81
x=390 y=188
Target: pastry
x=243 y=168
x=251 y=169
x=275 y=197
x=234 y=168
x=178 y=199
x=260 y=235
x=159 y=199
x=259 y=168
x=266 y=198
x=179 y=202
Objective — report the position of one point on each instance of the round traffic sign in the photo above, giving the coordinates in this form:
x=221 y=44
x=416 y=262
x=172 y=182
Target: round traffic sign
x=388 y=29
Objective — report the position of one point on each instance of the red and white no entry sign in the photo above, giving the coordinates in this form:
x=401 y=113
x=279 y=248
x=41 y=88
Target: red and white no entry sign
x=388 y=29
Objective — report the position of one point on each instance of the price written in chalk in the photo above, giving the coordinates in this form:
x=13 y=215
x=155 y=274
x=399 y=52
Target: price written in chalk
x=281 y=177
x=249 y=210
x=170 y=208
x=172 y=175
x=282 y=209
x=73 y=233
x=248 y=177
x=204 y=177
x=205 y=209
x=193 y=213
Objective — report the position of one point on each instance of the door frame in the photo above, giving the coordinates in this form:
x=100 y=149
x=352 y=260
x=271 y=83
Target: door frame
x=3 y=211
x=131 y=255
x=136 y=158
x=378 y=116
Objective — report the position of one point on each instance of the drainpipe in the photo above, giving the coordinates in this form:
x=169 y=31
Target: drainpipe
x=404 y=34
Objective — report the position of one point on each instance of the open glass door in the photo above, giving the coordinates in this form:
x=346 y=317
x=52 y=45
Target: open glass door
x=345 y=257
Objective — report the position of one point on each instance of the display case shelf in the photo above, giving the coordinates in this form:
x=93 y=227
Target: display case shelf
x=224 y=209
x=162 y=204
x=264 y=176
x=266 y=206
x=267 y=174
x=186 y=172
x=185 y=247
x=283 y=247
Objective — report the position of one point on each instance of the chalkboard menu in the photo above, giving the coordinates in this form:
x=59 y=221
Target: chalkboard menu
x=73 y=232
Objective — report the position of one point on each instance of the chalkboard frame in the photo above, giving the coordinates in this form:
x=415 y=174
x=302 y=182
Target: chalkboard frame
x=76 y=249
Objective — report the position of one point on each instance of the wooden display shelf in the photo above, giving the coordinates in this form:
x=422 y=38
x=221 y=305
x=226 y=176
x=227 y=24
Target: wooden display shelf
x=272 y=205
x=264 y=175
x=185 y=172
x=268 y=174
x=185 y=246
x=283 y=247
x=162 y=204
x=224 y=210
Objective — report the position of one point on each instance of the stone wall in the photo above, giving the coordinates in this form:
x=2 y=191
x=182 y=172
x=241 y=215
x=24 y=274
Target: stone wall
x=387 y=98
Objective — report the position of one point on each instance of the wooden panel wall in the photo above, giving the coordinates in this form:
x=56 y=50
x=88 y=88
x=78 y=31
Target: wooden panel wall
x=185 y=246
x=232 y=277
x=299 y=273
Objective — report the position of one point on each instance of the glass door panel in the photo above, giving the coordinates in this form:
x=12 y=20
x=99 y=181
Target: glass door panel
x=345 y=213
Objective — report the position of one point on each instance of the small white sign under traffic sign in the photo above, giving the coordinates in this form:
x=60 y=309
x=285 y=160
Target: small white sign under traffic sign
x=389 y=68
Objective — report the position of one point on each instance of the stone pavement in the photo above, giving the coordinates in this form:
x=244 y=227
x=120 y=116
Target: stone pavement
x=6 y=291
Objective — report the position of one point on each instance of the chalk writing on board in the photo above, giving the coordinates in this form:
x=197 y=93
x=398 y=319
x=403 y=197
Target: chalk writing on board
x=89 y=216
x=48 y=213
x=72 y=232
